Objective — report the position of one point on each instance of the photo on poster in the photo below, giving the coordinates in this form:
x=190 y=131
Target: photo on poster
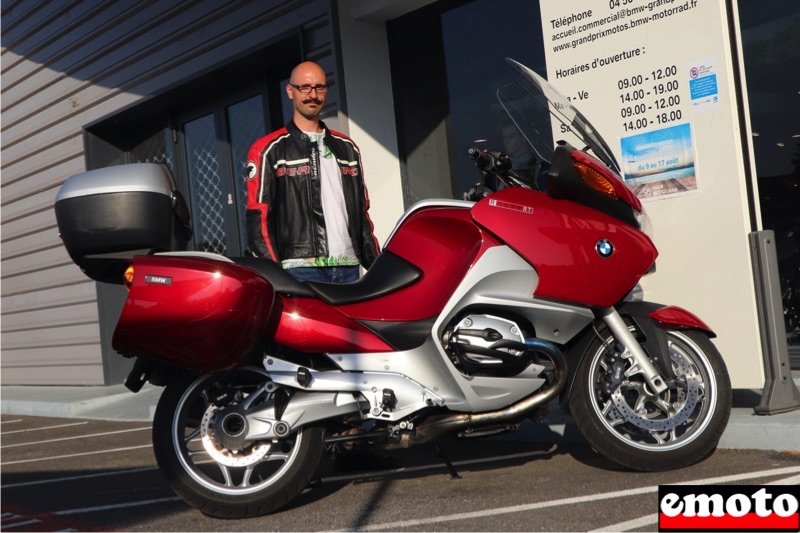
x=660 y=163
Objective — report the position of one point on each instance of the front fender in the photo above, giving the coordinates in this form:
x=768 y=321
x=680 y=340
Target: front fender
x=651 y=319
x=674 y=317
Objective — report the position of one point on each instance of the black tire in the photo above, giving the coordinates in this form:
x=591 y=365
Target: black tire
x=262 y=476
x=652 y=438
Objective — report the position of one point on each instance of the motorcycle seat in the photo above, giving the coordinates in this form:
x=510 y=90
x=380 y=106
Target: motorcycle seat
x=389 y=273
x=282 y=282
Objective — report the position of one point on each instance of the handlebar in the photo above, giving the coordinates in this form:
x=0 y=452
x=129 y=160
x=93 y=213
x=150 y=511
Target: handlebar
x=498 y=164
x=489 y=161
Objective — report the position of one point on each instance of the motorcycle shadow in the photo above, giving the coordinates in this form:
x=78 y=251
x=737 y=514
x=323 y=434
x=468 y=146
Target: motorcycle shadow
x=449 y=457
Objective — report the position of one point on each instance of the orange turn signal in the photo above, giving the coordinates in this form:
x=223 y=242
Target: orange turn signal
x=595 y=180
x=127 y=277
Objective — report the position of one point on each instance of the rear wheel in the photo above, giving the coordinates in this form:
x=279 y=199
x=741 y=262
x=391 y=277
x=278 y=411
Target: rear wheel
x=623 y=419
x=198 y=439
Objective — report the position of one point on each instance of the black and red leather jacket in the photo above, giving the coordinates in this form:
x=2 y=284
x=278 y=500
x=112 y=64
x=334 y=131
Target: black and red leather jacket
x=284 y=204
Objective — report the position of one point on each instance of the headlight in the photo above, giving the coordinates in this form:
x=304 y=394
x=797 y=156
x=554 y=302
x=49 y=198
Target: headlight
x=645 y=224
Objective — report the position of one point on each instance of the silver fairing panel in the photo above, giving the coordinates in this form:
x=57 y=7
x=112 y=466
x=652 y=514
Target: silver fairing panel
x=500 y=280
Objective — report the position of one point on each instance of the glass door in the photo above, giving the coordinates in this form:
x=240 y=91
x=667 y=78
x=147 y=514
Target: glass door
x=214 y=151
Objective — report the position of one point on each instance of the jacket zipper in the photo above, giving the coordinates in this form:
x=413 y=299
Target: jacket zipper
x=313 y=153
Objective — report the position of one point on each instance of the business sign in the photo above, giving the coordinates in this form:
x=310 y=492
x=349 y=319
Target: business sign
x=634 y=69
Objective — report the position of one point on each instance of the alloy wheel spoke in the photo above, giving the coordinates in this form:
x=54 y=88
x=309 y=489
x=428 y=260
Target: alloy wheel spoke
x=246 y=477
x=204 y=397
x=192 y=435
x=280 y=456
x=226 y=474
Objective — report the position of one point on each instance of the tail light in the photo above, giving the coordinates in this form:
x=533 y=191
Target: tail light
x=127 y=277
x=603 y=179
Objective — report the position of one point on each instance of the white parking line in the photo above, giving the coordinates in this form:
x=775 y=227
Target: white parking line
x=73 y=438
x=20 y=524
x=52 y=457
x=569 y=501
x=77 y=478
x=652 y=519
x=794 y=480
x=11 y=421
x=40 y=429
x=115 y=506
x=630 y=525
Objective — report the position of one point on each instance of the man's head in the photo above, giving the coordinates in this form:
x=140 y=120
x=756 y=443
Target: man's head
x=308 y=78
x=513 y=141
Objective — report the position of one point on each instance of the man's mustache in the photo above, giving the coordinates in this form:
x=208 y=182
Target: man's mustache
x=315 y=100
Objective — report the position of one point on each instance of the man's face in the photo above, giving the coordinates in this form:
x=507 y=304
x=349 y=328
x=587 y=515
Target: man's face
x=308 y=105
x=513 y=140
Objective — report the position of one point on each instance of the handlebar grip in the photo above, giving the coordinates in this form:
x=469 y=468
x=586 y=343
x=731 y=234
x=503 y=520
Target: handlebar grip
x=483 y=160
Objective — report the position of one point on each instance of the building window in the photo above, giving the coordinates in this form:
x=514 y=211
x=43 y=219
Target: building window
x=447 y=102
x=771 y=51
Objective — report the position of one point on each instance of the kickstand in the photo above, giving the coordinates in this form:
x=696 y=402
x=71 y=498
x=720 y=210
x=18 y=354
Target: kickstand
x=450 y=468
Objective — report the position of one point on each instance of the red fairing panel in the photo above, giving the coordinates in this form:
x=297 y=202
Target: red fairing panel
x=559 y=238
x=443 y=242
x=678 y=318
x=192 y=312
x=309 y=325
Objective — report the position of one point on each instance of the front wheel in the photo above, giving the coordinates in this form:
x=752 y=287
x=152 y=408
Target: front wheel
x=199 y=431
x=624 y=420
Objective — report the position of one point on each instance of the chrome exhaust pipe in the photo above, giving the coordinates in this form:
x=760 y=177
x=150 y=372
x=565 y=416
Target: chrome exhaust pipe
x=436 y=426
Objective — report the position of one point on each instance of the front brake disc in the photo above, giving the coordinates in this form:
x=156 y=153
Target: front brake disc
x=685 y=401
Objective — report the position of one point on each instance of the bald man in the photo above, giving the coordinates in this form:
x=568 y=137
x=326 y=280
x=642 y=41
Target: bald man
x=307 y=204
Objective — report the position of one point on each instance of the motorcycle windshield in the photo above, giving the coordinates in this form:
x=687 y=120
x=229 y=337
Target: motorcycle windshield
x=530 y=101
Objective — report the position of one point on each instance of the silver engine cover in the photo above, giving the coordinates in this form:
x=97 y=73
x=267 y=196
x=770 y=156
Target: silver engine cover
x=483 y=331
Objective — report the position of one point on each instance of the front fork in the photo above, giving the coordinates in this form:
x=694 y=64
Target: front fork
x=640 y=362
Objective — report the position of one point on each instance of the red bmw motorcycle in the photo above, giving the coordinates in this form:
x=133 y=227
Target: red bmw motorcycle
x=472 y=319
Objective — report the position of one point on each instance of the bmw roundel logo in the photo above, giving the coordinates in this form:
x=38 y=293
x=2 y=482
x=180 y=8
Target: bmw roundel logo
x=604 y=248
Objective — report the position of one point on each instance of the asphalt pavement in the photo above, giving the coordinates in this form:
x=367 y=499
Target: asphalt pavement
x=99 y=475
x=745 y=430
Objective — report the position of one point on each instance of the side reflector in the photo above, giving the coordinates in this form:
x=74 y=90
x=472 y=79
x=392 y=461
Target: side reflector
x=595 y=180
